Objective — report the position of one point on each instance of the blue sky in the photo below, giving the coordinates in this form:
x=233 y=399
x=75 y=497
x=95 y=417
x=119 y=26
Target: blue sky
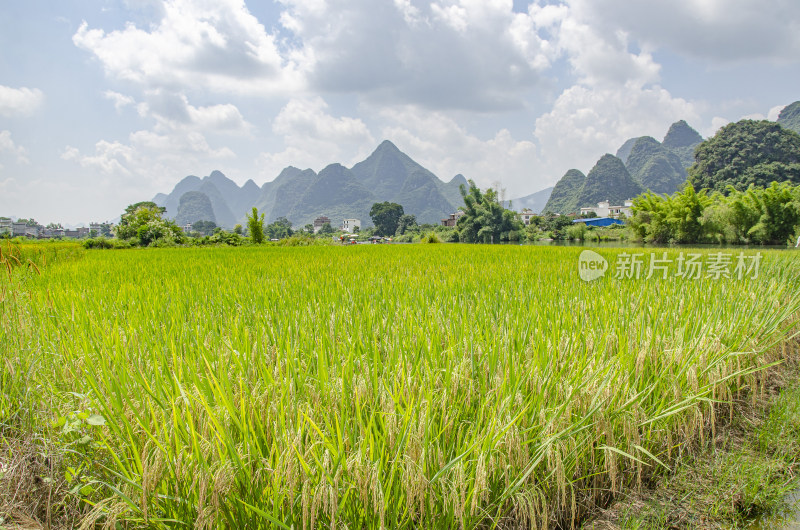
x=107 y=102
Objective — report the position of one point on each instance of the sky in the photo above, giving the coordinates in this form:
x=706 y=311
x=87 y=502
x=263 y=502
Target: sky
x=104 y=103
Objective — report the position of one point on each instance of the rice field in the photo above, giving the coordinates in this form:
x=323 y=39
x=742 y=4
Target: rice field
x=406 y=386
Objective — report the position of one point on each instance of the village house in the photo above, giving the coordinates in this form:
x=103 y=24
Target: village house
x=525 y=216
x=605 y=209
x=22 y=229
x=319 y=222
x=48 y=233
x=349 y=225
x=453 y=219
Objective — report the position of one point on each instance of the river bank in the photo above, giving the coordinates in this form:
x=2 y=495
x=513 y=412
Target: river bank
x=744 y=476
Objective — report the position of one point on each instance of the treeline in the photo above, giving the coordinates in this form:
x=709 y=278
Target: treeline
x=757 y=215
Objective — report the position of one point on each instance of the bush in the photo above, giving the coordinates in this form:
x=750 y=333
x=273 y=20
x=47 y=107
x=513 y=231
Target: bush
x=430 y=237
x=302 y=240
x=98 y=242
x=577 y=231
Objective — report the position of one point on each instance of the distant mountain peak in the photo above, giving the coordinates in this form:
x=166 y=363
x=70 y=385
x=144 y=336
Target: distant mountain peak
x=387 y=174
x=387 y=145
x=680 y=134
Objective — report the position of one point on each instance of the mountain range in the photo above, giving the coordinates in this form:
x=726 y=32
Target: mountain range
x=640 y=164
x=337 y=192
x=388 y=174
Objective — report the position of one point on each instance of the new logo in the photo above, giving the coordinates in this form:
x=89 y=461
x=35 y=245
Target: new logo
x=591 y=266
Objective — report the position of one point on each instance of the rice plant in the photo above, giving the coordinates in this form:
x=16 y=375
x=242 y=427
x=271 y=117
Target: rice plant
x=413 y=386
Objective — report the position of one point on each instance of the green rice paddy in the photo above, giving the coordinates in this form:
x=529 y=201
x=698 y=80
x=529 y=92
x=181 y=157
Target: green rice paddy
x=398 y=386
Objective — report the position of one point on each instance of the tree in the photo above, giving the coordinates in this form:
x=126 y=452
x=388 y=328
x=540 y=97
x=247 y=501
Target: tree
x=326 y=229
x=746 y=153
x=143 y=222
x=255 y=226
x=205 y=228
x=238 y=230
x=150 y=205
x=406 y=222
x=386 y=217
x=485 y=220
x=279 y=229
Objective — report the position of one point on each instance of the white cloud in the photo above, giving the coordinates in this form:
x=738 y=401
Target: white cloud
x=7 y=145
x=440 y=144
x=19 y=101
x=217 y=44
x=587 y=122
x=774 y=112
x=176 y=145
x=721 y=30
x=464 y=54
x=173 y=112
x=314 y=138
x=120 y=100
x=110 y=157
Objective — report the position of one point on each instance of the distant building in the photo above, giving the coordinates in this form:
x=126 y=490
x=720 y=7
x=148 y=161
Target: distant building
x=349 y=225
x=599 y=221
x=319 y=221
x=605 y=209
x=526 y=215
x=47 y=233
x=97 y=228
x=22 y=229
x=187 y=228
x=453 y=219
x=6 y=226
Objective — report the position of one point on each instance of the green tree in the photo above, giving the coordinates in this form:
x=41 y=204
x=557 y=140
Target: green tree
x=485 y=220
x=764 y=216
x=386 y=217
x=238 y=230
x=406 y=222
x=205 y=228
x=143 y=222
x=746 y=153
x=255 y=226
x=279 y=229
x=326 y=229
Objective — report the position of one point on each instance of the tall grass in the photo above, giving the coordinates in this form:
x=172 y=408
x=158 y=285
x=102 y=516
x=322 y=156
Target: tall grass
x=379 y=386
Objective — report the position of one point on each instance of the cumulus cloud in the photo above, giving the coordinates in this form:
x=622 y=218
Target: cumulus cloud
x=120 y=100
x=774 y=112
x=216 y=44
x=19 y=101
x=7 y=145
x=173 y=112
x=445 y=54
x=439 y=143
x=727 y=30
x=585 y=123
x=177 y=142
x=314 y=138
